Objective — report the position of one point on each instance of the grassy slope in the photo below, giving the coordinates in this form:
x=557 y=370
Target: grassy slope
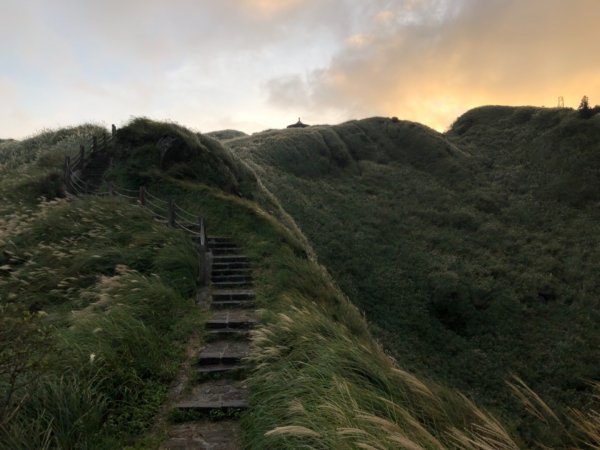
x=96 y=304
x=549 y=153
x=465 y=261
x=321 y=381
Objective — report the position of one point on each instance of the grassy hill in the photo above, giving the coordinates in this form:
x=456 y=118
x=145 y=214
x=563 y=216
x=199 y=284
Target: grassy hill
x=223 y=135
x=551 y=153
x=97 y=297
x=471 y=253
x=94 y=306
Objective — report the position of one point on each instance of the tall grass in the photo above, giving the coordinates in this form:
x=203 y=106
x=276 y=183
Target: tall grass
x=32 y=168
x=113 y=289
x=321 y=380
x=469 y=253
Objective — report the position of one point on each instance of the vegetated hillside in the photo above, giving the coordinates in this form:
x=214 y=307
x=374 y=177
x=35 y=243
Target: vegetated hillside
x=552 y=153
x=96 y=305
x=223 y=135
x=147 y=147
x=322 y=150
x=472 y=253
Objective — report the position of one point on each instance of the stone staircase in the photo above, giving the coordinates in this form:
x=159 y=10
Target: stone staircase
x=218 y=389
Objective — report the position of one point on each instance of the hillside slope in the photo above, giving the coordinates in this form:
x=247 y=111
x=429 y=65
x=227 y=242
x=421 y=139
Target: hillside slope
x=94 y=306
x=97 y=296
x=466 y=260
x=96 y=302
x=552 y=153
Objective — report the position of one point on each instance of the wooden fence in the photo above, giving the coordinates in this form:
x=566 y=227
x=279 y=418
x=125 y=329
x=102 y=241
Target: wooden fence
x=165 y=211
x=171 y=214
x=73 y=167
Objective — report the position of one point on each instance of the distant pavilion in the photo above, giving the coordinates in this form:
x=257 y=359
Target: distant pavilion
x=298 y=124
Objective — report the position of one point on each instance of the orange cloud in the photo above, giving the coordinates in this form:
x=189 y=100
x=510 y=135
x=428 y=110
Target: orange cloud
x=445 y=61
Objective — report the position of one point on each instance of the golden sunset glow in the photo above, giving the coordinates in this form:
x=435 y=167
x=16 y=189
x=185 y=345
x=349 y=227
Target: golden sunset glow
x=270 y=8
x=255 y=64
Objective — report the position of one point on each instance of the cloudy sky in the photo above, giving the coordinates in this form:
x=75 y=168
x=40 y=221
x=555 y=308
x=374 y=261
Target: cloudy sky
x=256 y=64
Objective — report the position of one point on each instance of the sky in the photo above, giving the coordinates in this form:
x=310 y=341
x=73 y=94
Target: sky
x=257 y=64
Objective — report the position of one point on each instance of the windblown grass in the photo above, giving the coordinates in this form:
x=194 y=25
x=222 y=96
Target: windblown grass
x=113 y=288
x=469 y=252
x=321 y=380
x=32 y=168
x=112 y=291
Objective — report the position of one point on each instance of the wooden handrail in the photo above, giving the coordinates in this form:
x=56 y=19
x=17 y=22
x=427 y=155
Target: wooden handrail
x=78 y=162
x=81 y=156
x=77 y=185
x=204 y=256
x=142 y=196
x=172 y=216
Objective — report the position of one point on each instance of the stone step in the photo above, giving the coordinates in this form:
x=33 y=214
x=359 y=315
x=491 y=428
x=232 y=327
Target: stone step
x=203 y=435
x=228 y=248
x=233 y=294
x=231 y=277
x=229 y=258
x=213 y=240
x=219 y=325
x=228 y=332
x=216 y=395
x=229 y=265
x=240 y=271
x=222 y=368
x=231 y=284
x=221 y=244
x=225 y=251
x=233 y=319
x=226 y=304
x=223 y=352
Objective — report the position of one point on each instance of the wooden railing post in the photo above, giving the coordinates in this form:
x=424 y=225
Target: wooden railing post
x=142 y=197
x=67 y=172
x=204 y=256
x=94 y=144
x=66 y=168
x=172 y=213
x=81 y=156
x=113 y=130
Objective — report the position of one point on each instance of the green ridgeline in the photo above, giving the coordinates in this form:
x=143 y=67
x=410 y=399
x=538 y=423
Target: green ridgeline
x=472 y=253
x=321 y=379
x=108 y=291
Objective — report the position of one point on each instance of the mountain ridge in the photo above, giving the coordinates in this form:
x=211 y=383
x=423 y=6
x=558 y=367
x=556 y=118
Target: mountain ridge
x=466 y=270
x=466 y=262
